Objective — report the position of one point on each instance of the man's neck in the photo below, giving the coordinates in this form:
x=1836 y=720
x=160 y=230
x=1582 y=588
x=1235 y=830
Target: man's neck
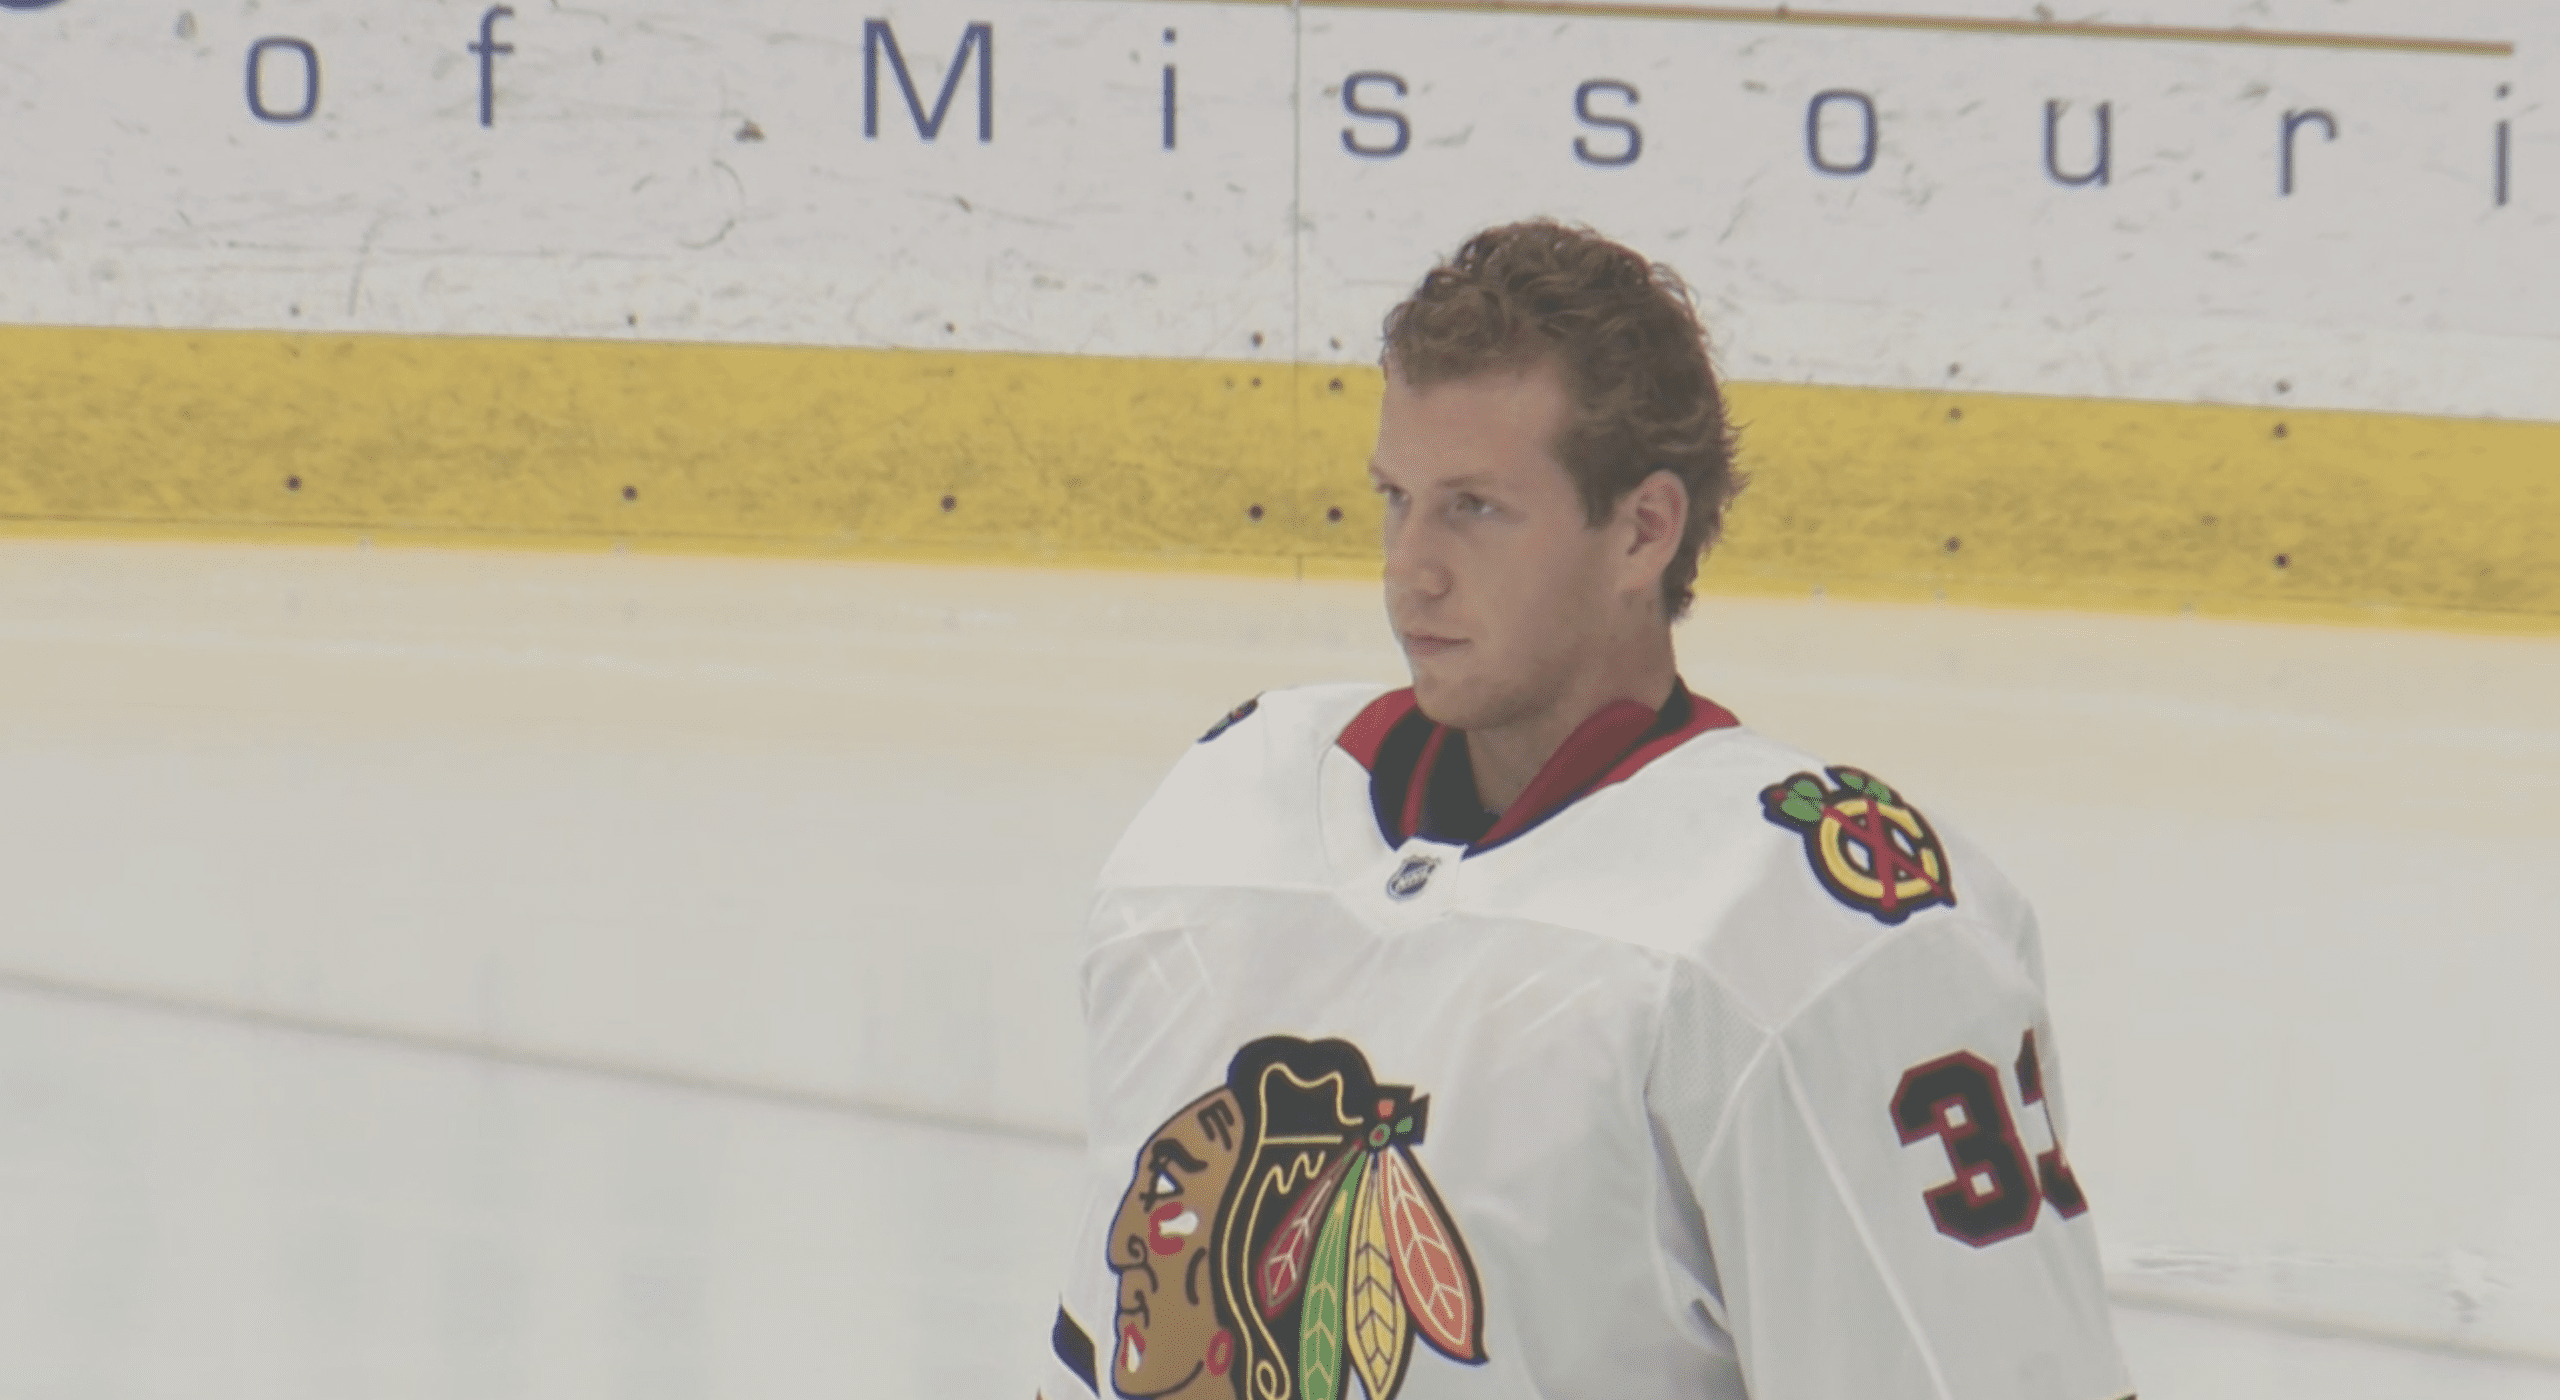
x=1507 y=757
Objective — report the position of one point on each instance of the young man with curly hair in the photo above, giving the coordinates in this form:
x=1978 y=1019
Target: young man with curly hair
x=1537 y=1030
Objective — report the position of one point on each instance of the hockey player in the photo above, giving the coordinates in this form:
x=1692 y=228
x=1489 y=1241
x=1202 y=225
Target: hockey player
x=1539 y=1030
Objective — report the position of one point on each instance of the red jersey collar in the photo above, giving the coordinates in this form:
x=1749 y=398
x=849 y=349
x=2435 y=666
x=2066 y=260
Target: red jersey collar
x=1405 y=751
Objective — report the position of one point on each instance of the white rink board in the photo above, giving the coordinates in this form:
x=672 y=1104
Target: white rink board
x=2389 y=279
x=613 y=194
x=824 y=833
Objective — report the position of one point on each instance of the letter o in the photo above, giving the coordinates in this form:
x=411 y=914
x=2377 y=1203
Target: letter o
x=310 y=80
x=1866 y=160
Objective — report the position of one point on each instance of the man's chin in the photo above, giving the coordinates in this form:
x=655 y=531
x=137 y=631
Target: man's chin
x=1444 y=699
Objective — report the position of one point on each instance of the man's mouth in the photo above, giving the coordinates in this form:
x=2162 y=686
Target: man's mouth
x=1133 y=1348
x=1426 y=644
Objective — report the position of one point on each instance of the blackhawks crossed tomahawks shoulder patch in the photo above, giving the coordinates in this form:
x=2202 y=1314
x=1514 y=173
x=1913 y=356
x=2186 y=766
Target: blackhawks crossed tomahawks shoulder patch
x=1871 y=849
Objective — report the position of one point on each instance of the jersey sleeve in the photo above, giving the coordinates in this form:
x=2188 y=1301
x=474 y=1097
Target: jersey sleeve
x=1886 y=1201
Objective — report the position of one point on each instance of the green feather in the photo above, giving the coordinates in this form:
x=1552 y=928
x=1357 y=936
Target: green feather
x=1323 y=1314
x=1801 y=810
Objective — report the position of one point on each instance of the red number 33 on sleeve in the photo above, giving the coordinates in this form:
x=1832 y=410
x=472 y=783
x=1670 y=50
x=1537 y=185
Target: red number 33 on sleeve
x=1997 y=1191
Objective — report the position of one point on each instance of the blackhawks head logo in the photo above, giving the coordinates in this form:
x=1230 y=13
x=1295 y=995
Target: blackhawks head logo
x=1279 y=1237
x=1872 y=850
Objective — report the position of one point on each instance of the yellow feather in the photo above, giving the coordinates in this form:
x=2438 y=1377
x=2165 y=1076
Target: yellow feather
x=1375 y=1317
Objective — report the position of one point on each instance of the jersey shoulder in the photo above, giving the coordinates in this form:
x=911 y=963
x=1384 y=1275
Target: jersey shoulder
x=1847 y=862
x=1240 y=807
x=1777 y=872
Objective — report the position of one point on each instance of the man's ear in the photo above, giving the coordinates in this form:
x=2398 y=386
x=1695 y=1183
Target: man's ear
x=1657 y=514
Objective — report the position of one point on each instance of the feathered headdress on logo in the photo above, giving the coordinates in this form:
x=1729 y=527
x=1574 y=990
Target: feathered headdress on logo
x=1337 y=1241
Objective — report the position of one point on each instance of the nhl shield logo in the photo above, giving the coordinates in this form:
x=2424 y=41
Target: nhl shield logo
x=1411 y=876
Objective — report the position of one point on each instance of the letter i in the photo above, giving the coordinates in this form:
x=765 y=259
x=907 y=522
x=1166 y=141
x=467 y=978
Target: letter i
x=2506 y=143
x=1168 y=97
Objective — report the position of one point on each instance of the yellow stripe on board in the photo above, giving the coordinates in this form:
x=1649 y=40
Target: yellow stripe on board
x=792 y=450
x=1235 y=466
x=2120 y=504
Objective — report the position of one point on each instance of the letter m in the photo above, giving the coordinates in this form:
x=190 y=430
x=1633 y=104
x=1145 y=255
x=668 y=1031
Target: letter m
x=979 y=38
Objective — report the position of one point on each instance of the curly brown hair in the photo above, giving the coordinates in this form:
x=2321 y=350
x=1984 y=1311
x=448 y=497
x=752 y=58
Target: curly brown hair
x=1625 y=332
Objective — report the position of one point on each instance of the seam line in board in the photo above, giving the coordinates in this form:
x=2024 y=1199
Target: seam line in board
x=1944 y=24
x=454 y=1047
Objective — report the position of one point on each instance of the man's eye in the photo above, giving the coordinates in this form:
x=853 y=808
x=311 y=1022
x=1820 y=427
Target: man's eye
x=1165 y=1185
x=1472 y=505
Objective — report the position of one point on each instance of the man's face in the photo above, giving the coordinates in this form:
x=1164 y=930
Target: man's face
x=1163 y=1248
x=1497 y=587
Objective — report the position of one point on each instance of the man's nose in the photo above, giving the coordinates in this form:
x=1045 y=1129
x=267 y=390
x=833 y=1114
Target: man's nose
x=1414 y=567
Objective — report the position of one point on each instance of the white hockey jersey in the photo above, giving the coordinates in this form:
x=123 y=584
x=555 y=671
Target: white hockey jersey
x=1702 y=1072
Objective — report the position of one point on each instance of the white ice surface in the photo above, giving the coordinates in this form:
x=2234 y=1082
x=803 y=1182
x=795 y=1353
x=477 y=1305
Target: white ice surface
x=197 y=1209
x=444 y=975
